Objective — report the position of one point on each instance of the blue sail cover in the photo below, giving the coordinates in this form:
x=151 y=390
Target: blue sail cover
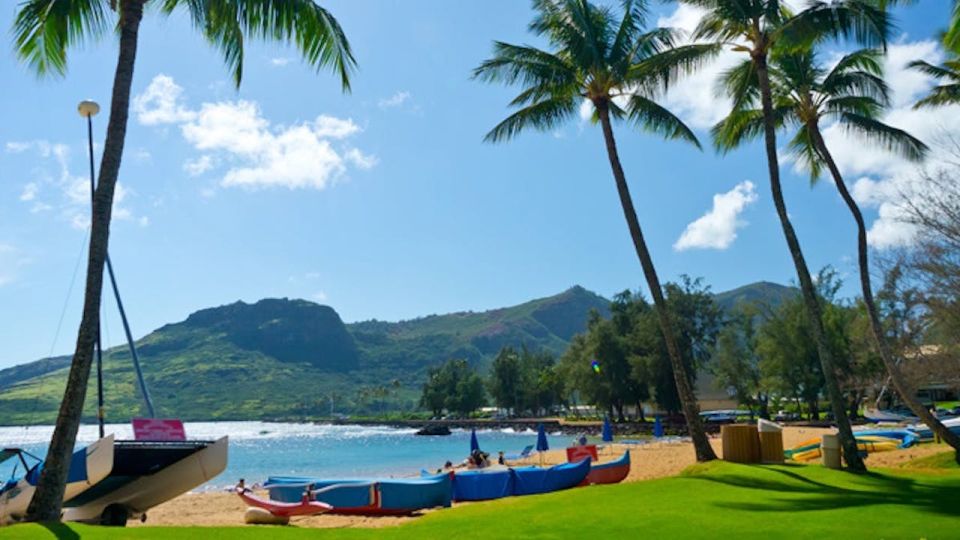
x=482 y=486
x=533 y=480
x=397 y=494
x=485 y=485
x=77 y=473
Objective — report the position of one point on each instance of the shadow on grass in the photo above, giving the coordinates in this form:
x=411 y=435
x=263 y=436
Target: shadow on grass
x=931 y=495
x=59 y=530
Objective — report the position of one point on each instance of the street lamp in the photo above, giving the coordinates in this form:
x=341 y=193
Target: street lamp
x=88 y=109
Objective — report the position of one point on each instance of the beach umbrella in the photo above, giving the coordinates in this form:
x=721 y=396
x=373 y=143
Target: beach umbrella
x=657 y=427
x=474 y=445
x=607 y=433
x=542 y=445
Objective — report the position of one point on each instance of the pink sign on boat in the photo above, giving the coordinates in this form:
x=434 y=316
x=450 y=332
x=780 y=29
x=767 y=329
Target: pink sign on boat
x=158 y=429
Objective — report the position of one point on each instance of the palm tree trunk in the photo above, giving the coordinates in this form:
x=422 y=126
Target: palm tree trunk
x=688 y=399
x=900 y=382
x=847 y=441
x=47 y=502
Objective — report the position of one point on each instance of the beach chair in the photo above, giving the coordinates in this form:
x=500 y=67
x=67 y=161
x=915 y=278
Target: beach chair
x=524 y=454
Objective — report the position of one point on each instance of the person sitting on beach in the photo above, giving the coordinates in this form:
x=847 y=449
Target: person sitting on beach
x=500 y=459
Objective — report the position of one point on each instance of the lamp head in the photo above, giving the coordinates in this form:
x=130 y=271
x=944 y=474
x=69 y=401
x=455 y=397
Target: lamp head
x=88 y=108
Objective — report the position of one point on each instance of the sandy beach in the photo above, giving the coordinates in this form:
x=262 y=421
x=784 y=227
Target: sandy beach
x=655 y=460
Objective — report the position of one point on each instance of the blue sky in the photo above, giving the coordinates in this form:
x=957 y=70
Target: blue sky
x=385 y=203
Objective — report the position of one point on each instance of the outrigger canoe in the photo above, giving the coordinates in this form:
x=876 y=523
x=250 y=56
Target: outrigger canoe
x=612 y=472
x=306 y=506
x=482 y=485
x=367 y=497
x=88 y=466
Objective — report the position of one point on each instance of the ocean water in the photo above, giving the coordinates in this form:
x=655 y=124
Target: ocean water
x=261 y=449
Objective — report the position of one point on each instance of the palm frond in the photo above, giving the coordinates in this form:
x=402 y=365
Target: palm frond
x=802 y=150
x=892 y=139
x=937 y=72
x=543 y=116
x=302 y=23
x=860 y=105
x=738 y=128
x=655 y=118
x=740 y=84
x=663 y=69
x=43 y=30
x=951 y=39
x=524 y=64
x=861 y=21
x=947 y=94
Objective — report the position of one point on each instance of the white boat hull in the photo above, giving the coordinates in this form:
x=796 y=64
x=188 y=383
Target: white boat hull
x=99 y=463
x=148 y=491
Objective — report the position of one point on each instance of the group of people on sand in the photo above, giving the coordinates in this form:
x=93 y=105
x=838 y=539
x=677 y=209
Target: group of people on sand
x=478 y=459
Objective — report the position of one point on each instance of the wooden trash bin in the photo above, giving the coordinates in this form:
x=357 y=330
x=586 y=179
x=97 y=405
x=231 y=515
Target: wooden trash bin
x=741 y=444
x=771 y=441
x=771 y=446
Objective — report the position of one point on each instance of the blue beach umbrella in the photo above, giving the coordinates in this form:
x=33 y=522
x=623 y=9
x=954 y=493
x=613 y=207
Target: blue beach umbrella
x=607 y=433
x=657 y=427
x=542 y=445
x=474 y=445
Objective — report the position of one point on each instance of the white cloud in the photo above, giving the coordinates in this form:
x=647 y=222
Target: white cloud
x=395 y=100
x=361 y=160
x=73 y=204
x=11 y=261
x=879 y=178
x=302 y=155
x=334 y=128
x=280 y=61
x=694 y=98
x=142 y=154
x=196 y=167
x=717 y=229
x=319 y=296
x=159 y=103
x=29 y=192
x=41 y=147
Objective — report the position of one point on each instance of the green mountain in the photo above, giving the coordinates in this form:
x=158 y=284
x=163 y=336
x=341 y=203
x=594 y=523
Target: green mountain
x=282 y=358
x=761 y=293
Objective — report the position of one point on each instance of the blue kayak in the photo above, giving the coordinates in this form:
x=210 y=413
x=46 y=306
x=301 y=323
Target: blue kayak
x=480 y=485
x=906 y=437
x=395 y=496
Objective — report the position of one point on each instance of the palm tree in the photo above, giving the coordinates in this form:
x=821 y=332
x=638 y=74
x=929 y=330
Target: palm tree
x=618 y=68
x=852 y=93
x=43 y=32
x=947 y=93
x=757 y=27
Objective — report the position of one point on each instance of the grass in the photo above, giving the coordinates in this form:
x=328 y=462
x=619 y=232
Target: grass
x=941 y=462
x=707 y=501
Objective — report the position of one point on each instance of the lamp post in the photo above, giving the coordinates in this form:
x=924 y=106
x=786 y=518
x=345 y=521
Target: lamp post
x=88 y=109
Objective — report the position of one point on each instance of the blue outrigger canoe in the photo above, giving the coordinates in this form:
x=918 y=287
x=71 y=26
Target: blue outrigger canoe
x=373 y=497
x=482 y=485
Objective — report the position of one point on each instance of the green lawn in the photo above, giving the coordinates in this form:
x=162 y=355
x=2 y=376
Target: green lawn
x=707 y=501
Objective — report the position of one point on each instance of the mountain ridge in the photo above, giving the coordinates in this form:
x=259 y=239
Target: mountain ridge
x=283 y=357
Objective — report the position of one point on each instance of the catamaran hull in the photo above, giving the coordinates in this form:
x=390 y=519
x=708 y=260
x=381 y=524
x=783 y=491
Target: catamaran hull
x=87 y=467
x=137 y=494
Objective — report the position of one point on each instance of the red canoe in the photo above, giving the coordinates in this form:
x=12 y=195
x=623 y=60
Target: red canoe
x=612 y=472
x=287 y=509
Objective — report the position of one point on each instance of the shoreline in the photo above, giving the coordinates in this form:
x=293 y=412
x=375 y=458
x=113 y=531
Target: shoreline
x=650 y=461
